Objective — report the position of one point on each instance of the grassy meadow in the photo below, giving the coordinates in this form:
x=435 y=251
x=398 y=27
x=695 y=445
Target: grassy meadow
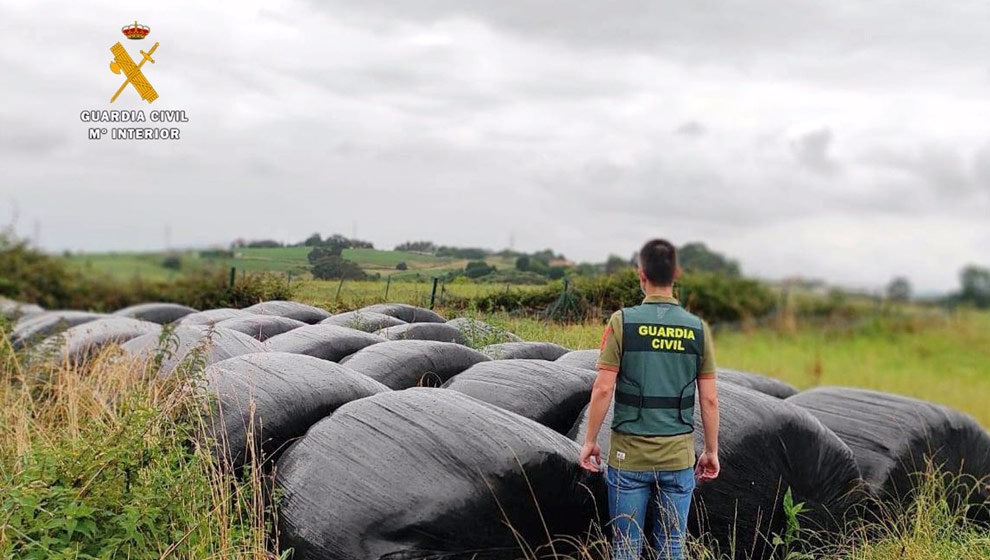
x=941 y=358
x=284 y=260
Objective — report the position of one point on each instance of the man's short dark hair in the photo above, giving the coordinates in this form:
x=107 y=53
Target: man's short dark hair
x=658 y=259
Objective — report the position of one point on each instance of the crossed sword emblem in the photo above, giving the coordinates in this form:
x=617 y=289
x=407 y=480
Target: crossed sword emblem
x=124 y=63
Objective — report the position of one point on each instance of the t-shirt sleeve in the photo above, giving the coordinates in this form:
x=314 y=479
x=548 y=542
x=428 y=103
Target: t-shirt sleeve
x=610 y=351
x=708 y=360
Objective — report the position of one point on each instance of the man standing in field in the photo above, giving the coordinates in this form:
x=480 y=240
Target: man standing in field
x=653 y=358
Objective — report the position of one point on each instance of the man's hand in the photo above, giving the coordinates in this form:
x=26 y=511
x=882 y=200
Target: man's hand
x=708 y=467
x=588 y=451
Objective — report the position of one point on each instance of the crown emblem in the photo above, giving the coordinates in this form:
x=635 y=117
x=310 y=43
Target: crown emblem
x=135 y=31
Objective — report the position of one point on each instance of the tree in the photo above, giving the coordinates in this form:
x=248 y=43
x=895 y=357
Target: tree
x=615 y=263
x=320 y=253
x=335 y=267
x=556 y=272
x=313 y=240
x=477 y=269
x=698 y=257
x=899 y=289
x=417 y=246
x=522 y=263
x=401 y=265
x=975 y=286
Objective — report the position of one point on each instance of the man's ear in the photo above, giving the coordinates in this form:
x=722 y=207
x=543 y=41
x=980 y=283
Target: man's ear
x=677 y=272
x=642 y=275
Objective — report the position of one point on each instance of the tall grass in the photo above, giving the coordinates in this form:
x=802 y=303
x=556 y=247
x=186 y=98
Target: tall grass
x=96 y=462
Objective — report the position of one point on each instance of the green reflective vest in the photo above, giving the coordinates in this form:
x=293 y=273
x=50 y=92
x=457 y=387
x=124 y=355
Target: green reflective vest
x=662 y=350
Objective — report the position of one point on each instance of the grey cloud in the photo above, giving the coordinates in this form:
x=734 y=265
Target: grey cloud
x=812 y=151
x=691 y=128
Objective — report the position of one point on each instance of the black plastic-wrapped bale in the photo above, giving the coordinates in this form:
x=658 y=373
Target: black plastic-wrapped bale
x=586 y=359
x=328 y=342
x=36 y=328
x=10 y=309
x=269 y=399
x=766 y=446
x=367 y=321
x=478 y=332
x=441 y=332
x=261 y=327
x=546 y=392
x=430 y=473
x=156 y=312
x=400 y=364
x=406 y=312
x=291 y=309
x=79 y=343
x=757 y=382
x=192 y=346
x=211 y=316
x=525 y=351
x=895 y=438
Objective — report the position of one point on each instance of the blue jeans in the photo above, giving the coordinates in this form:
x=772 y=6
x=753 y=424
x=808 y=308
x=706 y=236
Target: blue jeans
x=630 y=494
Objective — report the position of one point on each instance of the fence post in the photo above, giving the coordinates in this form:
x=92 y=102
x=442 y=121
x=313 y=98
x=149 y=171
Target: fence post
x=289 y=279
x=443 y=290
x=433 y=294
x=388 y=284
x=233 y=276
x=339 y=286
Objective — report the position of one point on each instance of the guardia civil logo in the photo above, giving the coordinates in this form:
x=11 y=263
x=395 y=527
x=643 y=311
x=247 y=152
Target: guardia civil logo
x=124 y=64
x=125 y=123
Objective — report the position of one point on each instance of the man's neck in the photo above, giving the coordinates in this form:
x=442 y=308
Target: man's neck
x=659 y=291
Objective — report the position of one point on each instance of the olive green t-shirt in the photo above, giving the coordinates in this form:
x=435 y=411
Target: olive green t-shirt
x=646 y=453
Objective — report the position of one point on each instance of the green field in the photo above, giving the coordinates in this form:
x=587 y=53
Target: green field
x=285 y=260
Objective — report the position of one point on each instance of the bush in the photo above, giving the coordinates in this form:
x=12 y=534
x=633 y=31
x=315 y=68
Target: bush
x=335 y=267
x=172 y=262
x=401 y=265
x=477 y=269
x=716 y=298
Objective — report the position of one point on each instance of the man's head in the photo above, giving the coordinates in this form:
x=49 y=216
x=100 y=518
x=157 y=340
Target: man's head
x=658 y=264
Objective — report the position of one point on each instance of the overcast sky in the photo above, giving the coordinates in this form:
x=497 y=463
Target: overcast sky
x=844 y=140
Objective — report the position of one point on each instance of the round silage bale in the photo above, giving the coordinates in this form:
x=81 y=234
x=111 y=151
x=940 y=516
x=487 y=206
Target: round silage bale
x=261 y=327
x=291 y=309
x=525 y=351
x=36 y=328
x=328 y=342
x=80 y=342
x=156 y=312
x=546 y=392
x=408 y=313
x=192 y=346
x=266 y=400
x=210 y=316
x=757 y=382
x=479 y=333
x=896 y=439
x=431 y=473
x=440 y=332
x=11 y=310
x=586 y=359
x=400 y=364
x=367 y=321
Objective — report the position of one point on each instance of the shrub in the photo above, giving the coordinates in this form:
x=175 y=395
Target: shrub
x=335 y=267
x=401 y=265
